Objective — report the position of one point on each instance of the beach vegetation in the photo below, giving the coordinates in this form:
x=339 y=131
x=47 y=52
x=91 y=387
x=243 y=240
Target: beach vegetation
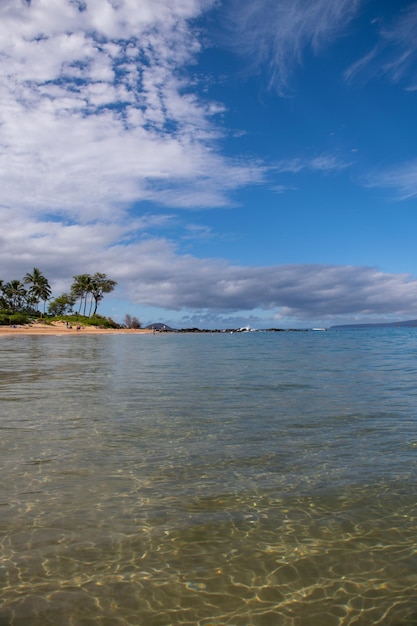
x=131 y=322
x=14 y=319
x=20 y=300
x=87 y=289
x=15 y=296
x=62 y=305
x=100 y=284
x=79 y=291
x=84 y=320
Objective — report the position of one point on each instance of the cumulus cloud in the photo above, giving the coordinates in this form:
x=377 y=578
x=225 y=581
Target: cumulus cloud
x=163 y=278
x=152 y=272
x=96 y=113
x=302 y=291
x=275 y=34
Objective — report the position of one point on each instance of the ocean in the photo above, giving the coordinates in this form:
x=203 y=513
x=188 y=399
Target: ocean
x=251 y=479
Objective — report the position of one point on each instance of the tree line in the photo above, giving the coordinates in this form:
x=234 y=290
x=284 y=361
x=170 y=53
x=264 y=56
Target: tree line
x=25 y=296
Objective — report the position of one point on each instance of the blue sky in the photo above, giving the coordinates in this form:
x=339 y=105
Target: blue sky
x=227 y=162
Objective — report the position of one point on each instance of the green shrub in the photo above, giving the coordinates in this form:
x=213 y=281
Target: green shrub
x=95 y=320
x=14 y=319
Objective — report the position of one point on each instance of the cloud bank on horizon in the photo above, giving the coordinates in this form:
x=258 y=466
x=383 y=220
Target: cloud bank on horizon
x=220 y=160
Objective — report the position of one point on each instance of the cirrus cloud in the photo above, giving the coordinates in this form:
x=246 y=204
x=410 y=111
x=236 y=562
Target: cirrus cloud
x=395 y=54
x=276 y=34
x=402 y=179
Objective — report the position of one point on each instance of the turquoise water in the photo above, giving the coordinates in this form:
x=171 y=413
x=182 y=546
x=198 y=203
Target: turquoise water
x=260 y=479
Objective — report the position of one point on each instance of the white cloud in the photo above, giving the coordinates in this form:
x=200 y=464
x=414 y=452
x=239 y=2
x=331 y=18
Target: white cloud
x=275 y=34
x=96 y=113
x=96 y=116
x=402 y=179
x=151 y=272
x=321 y=163
x=162 y=278
x=395 y=54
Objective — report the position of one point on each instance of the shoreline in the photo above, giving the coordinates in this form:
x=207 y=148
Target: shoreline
x=59 y=328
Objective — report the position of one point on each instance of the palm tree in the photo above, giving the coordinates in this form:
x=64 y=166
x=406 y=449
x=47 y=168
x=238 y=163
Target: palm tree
x=39 y=287
x=80 y=288
x=15 y=293
x=2 y=295
x=44 y=292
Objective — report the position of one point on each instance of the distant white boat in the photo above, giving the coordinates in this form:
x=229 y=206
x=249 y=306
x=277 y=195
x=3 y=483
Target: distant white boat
x=319 y=329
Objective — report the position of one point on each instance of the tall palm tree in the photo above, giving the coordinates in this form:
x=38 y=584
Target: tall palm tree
x=15 y=293
x=39 y=287
x=44 y=292
x=80 y=288
x=3 y=299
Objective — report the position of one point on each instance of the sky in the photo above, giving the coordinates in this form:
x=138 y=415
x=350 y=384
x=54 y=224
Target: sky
x=228 y=162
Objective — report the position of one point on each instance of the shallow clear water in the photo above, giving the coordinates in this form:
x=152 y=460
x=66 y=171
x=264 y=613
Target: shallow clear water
x=243 y=479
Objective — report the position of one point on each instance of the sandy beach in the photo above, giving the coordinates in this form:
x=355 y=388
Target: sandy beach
x=59 y=328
